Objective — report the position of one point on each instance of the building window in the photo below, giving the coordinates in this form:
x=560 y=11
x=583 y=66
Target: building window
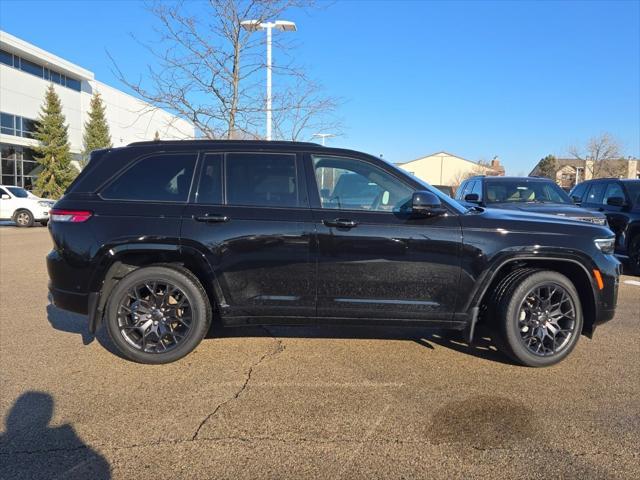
x=39 y=70
x=17 y=126
x=6 y=58
x=18 y=166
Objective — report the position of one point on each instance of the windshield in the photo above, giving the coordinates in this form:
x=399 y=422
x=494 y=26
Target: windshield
x=18 y=192
x=524 y=191
x=633 y=189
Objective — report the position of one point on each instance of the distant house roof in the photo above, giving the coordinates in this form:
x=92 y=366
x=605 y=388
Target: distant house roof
x=435 y=154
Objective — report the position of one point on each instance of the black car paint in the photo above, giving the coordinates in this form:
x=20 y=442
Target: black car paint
x=624 y=219
x=294 y=265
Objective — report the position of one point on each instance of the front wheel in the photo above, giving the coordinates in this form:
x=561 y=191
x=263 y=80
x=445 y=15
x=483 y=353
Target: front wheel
x=157 y=314
x=540 y=318
x=23 y=218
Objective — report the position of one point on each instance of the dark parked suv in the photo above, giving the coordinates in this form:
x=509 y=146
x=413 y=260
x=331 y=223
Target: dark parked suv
x=619 y=200
x=528 y=194
x=158 y=239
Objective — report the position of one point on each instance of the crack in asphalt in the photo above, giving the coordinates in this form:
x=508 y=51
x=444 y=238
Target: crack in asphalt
x=273 y=352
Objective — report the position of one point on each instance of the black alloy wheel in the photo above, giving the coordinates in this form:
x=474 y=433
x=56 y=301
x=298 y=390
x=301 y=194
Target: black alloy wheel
x=157 y=314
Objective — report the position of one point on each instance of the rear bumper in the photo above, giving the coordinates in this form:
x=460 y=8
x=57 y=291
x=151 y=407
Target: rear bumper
x=72 y=301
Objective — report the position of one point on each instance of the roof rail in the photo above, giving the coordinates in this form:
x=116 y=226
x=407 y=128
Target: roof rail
x=221 y=142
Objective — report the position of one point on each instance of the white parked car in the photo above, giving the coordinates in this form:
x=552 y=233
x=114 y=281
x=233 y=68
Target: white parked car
x=22 y=207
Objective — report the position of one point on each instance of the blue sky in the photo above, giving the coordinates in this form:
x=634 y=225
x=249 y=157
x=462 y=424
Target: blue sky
x=514 y=79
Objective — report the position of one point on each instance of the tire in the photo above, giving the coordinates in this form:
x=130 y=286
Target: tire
x=44 y=223
x=540 y=317
x=154 y=328
x=23 y=218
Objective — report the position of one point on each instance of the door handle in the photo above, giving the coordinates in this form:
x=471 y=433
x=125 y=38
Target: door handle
x=211 y=218
x=340 y=223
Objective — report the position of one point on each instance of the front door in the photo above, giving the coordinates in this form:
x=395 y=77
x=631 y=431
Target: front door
x=250 y=218
x=376 y=259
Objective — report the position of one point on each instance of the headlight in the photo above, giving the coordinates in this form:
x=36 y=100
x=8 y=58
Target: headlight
x=596 y=220
x=46 y=204
x=606 y=245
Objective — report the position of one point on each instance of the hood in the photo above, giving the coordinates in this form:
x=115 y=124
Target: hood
x=526 y=221
x=560 y=209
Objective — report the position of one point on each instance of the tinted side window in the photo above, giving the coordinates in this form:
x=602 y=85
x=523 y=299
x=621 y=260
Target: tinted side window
x=578 y=192
x=210 y=187
x=351 y=184
x=262 y=179
x=161 y=178
x=595 y=193
x=614 y=189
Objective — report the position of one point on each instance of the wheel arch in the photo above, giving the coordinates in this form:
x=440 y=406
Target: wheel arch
x=119 y=261
x=573 y=269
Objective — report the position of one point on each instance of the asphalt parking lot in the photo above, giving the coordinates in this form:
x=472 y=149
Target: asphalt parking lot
x=304 y=403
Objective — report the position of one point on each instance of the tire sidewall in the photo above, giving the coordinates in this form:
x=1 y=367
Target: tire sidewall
x=511 y=330
x=197 y=299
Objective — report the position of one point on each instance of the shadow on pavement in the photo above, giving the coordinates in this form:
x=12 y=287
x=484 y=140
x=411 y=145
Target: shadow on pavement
x=482 y=347
x=79 y=324
x=31 y=448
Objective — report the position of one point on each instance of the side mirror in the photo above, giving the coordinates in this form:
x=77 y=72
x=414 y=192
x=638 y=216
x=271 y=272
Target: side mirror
x=576 y=199
x=426 y=204
x=615 y=201
x=5 y=196
x=471 y=197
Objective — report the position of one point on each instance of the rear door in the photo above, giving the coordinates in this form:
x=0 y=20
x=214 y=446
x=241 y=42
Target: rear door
x=249 y=217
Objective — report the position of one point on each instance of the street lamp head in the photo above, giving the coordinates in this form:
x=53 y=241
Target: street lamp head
x=285 y=26
x=250 y=25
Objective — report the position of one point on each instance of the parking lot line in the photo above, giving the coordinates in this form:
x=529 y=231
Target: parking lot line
x=632 y=282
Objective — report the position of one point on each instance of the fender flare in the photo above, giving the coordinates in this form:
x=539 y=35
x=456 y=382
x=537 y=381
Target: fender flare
x=486 y=278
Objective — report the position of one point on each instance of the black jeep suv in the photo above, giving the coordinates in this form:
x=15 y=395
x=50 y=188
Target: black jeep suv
x=158 y=239
x=528 y=194
x=619 y=200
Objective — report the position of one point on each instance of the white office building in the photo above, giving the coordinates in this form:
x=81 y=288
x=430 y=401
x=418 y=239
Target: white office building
x=26 y=71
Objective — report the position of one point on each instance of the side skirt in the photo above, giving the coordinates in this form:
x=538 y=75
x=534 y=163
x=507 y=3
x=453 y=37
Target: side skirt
x=305 y=321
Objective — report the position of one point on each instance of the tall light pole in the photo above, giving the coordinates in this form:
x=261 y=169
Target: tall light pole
x=282 y=25
x=323 y=136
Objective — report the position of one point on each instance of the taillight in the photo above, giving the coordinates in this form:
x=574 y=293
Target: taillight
x=73 y=216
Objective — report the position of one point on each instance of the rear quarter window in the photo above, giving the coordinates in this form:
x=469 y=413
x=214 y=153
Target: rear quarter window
x=156 y=178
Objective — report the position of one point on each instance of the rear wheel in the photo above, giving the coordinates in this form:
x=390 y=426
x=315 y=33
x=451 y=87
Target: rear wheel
x=540 y=318
x=157 y=314
x=23 y=218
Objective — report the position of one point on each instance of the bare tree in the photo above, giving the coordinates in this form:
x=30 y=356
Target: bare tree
x=463 y=175
x=210 y=70
x=302 y=110
x=604 y=152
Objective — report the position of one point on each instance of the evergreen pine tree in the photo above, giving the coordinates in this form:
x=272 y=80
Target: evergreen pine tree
x=53 y=153
x=547 y=167
x=96 y=129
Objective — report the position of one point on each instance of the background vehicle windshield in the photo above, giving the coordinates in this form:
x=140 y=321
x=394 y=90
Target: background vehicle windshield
x=18 y=192
x=524 y=191
x=633 y=189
